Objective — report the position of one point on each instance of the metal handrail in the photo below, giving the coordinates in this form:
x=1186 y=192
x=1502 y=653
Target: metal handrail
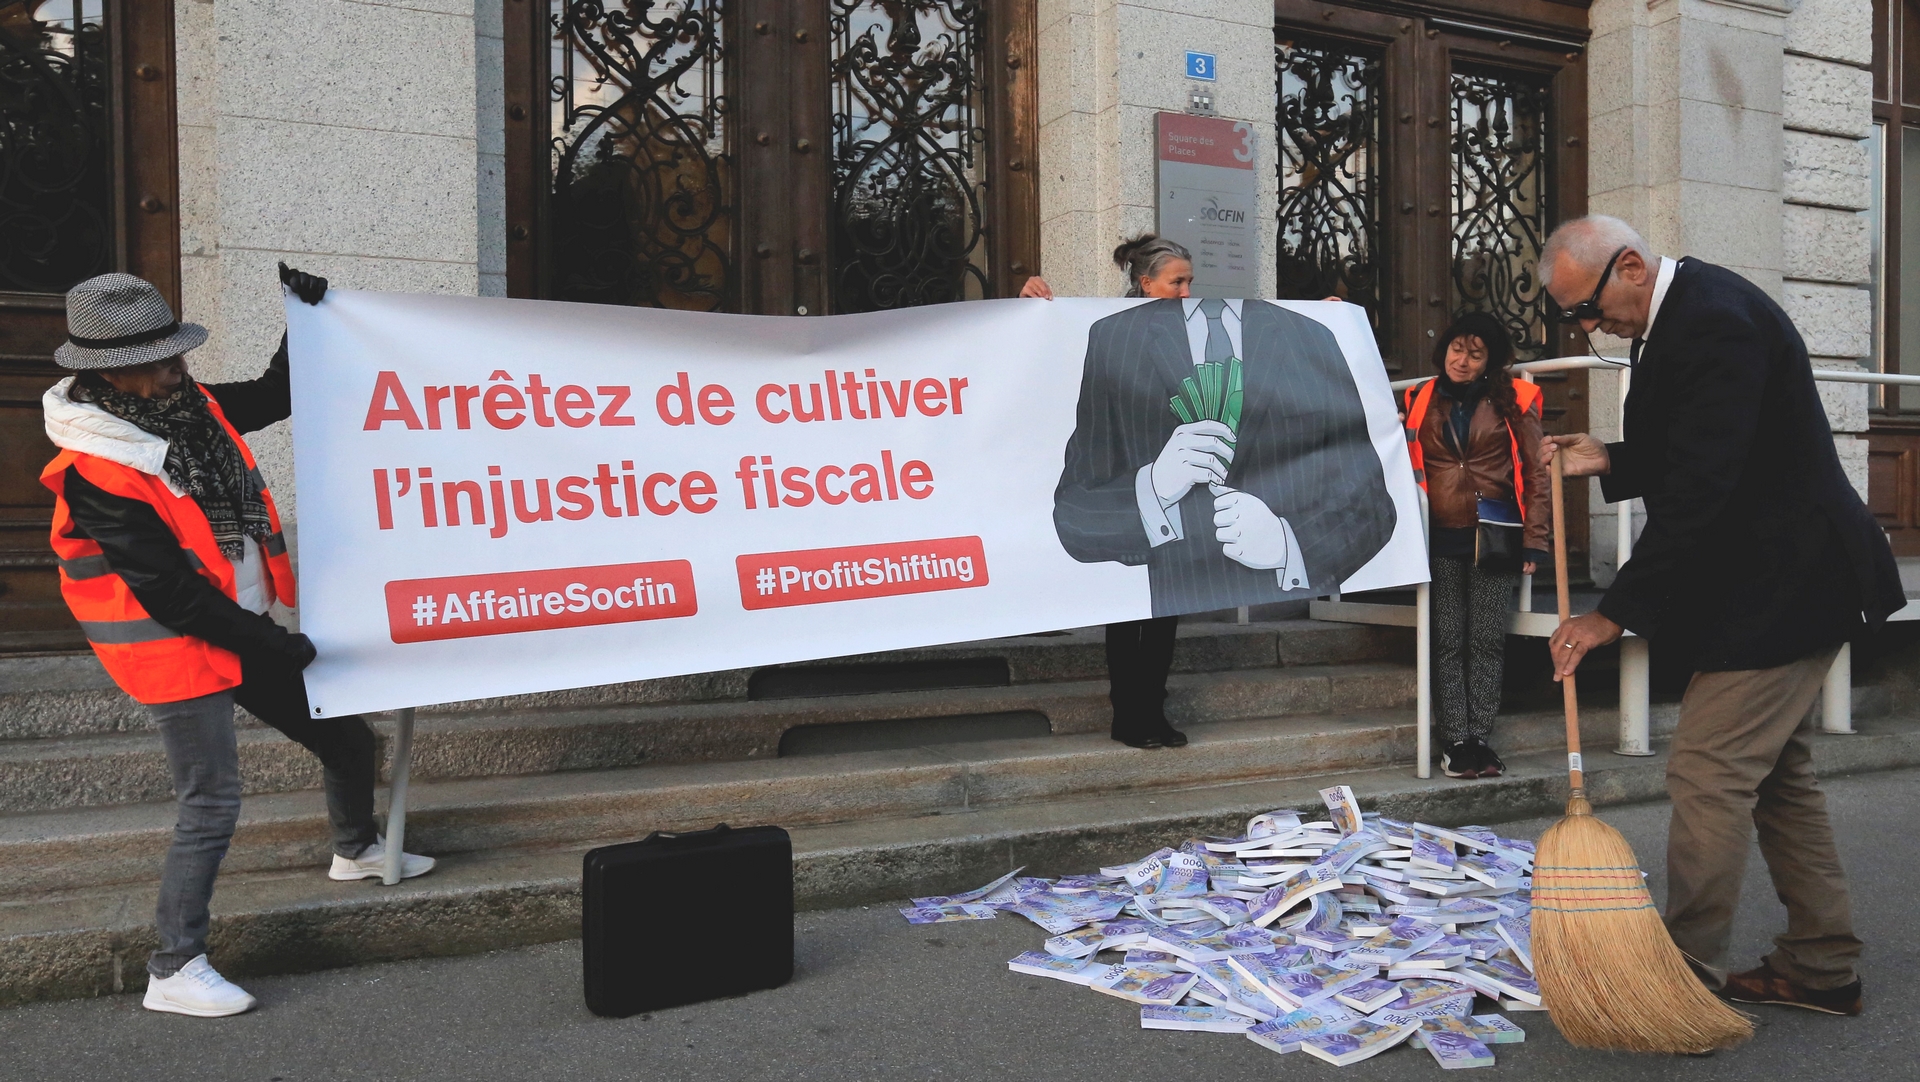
x=1550 y=364
x=1570 y=364
x=1635 y=738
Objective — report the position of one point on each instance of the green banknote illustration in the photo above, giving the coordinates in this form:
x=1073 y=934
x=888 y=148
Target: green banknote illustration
x=1212 y=393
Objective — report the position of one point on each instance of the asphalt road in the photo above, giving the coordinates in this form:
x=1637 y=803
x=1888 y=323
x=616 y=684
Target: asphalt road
x=875 y=998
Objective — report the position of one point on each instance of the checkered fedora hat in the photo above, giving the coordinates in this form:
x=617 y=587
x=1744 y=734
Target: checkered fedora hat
x=117 y=321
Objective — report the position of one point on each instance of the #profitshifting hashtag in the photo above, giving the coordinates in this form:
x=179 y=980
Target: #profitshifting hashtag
x=764 y=580
x=424 y=610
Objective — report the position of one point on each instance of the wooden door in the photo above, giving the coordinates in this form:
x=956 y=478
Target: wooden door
x=1424 y=159
x=1893 y=482
x=87 y=183
x=788 y=157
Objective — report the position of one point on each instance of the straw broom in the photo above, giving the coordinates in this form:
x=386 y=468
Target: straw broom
x=1609 y=973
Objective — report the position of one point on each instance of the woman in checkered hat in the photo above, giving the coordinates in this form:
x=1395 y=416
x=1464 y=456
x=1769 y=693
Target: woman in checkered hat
x=170 y=552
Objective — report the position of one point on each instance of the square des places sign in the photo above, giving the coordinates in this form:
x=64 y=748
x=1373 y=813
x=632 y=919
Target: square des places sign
x=1206 y=200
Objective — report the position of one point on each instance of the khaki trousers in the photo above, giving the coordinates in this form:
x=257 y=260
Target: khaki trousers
x=1741 y=761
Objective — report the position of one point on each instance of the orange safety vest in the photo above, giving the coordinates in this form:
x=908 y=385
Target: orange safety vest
x=1526 y=395
x=150 y=661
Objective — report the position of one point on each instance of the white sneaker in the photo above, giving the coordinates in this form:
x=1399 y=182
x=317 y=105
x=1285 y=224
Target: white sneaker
x=372 y=864
x=196 y=990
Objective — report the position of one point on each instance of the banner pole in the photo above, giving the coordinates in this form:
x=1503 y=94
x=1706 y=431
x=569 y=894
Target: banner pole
x=1423 y=662
x=1423 y=681
x=397 y=794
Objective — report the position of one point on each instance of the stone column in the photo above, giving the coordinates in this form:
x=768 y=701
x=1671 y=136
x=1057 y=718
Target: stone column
x=490 y=128
x=337 y=136
x=1827 y=116
x=1105 y=70
x=1685 y=114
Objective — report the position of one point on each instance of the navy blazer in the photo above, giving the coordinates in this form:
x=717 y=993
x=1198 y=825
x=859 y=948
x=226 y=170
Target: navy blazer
x=1757 y=550
x=1303 y=449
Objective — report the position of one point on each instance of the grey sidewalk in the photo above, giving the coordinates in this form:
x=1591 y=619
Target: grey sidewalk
x=877 y=999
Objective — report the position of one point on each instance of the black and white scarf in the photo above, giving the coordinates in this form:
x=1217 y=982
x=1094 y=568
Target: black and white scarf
x=202 y=460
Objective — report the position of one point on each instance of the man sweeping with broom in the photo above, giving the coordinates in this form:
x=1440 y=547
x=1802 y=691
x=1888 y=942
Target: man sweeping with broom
x=1758 y=560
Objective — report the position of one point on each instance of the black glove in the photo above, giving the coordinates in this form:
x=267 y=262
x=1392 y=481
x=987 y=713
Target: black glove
x=299 y=650
x=307 y=287
x=255 y=636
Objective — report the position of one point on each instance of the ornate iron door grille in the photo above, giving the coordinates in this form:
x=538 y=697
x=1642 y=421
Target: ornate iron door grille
x=1328 y=112
x=56 y=190
x=909 y=139
x=1501 y=150
x=641 y=208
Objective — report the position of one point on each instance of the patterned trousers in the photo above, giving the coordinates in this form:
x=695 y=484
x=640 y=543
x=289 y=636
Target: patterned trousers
x=1470 y=614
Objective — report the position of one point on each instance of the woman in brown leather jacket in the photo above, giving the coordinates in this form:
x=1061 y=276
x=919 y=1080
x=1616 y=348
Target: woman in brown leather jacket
x=1467 y=440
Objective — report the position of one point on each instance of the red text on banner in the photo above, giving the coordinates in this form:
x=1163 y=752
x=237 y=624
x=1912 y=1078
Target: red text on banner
x=772 y=580
x=463 y=606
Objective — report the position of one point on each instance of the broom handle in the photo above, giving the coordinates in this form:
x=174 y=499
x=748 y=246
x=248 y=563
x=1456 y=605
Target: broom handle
x=1574 y=773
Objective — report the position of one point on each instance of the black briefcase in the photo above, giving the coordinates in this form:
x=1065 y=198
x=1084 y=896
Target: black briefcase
x=680 y=918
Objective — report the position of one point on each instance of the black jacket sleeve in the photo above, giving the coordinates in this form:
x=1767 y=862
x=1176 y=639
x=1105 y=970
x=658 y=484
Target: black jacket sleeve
x=252 y=405
x=1718 y=388
x=1625 y=478
x=141 y=549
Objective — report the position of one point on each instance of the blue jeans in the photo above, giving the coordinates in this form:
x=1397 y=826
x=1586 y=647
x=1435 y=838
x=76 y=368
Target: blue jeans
x=205 y=763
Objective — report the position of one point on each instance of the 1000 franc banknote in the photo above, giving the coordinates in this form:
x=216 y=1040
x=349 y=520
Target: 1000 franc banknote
x=1284 y=1034
x=974 y=895
x=1353 y=1043
x=1072 y=970
x=942 y=914
x=1300 y=886
x=1194 y=1019
x=1454 y=1050
x=1342 y=807
x=1144 y=984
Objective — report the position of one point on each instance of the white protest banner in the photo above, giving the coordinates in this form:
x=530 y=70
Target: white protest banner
x=499 y=497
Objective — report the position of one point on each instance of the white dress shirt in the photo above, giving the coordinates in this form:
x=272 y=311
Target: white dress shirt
x=1197 y=327
x=1661 y=281
x=1162 y=522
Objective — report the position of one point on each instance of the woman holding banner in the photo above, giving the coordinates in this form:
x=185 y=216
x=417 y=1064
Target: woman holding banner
x=1474 y=434
x=170 y=553
x=1140 y=652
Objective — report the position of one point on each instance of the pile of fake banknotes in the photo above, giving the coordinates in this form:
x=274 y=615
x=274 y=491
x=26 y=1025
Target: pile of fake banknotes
x=1339 y=938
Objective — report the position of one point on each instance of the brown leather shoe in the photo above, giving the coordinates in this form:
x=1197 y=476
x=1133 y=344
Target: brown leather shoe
x=1763 y=985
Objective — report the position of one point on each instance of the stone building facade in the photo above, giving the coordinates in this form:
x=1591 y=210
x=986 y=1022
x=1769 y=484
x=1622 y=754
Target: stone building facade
x=374 y=142
x=364 y=141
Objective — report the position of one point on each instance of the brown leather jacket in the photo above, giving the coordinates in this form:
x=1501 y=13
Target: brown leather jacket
x=1454 y=488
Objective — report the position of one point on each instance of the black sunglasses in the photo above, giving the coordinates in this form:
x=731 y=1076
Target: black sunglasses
x=1590 y=308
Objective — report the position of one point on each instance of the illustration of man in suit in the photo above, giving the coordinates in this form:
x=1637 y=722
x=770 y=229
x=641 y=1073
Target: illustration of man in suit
x=1286 y=507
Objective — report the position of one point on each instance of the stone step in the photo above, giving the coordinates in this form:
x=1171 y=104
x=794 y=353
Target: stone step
x=65 y=849
x=131 y=767
x=94 y=941
x=70 y=695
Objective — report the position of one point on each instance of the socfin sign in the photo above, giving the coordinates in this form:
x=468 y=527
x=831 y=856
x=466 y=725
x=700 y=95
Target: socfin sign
x=499 y=497
x=1208 y=192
